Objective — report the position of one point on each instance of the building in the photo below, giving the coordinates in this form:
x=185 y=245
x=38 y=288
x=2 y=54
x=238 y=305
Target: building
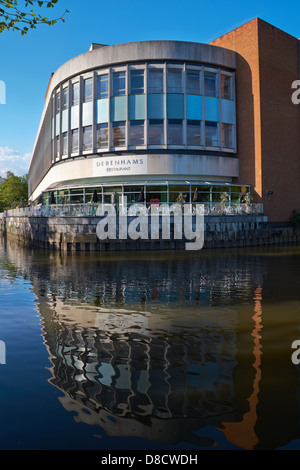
x=163 y=119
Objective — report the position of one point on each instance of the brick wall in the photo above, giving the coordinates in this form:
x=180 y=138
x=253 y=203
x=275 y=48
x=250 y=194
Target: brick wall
x=268 y=123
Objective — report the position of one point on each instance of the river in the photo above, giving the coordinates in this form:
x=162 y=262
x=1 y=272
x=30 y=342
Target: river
x=149 y=350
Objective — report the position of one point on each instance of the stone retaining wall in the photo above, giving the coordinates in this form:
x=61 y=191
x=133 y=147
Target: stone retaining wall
x=79 y=233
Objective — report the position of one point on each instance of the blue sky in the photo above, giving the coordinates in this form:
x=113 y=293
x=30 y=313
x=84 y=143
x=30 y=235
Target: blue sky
x=28 y=61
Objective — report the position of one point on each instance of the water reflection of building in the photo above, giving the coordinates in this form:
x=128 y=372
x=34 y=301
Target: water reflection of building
x=186 y=356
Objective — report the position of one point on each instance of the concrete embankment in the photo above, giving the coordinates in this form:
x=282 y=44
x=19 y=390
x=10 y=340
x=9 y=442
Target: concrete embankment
x=71 y=233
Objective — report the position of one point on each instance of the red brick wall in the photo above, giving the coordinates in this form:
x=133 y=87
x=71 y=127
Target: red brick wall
x=268 y=123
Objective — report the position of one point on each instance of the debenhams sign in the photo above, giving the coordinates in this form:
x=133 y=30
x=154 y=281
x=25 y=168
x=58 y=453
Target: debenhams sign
x=110 y=166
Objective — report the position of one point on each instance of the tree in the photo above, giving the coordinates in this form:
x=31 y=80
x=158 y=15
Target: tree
x=16 y=19
x=13 y=191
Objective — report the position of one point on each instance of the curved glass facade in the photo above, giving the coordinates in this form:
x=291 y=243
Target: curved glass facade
x=138 y=106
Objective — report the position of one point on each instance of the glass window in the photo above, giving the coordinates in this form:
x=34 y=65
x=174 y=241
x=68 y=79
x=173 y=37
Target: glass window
x=118 y=84
x=226 y=87
x=118 y=134
x=175 y=132
x=210 y=84
x=174 y=81
x=193 y=86
x=87 y=139
x=136 y=82
x=211 y=134
x=87 y=90
x=57 y=101
x=227 y=135
x=75 y=93
x=65 y=143
x=102 y=86
x=65 y=98
x=102 y=135
x=156 y=81
x=57 y=147
x=74 y=141
x=156 y=132
x=136 y=133
x=193 y=133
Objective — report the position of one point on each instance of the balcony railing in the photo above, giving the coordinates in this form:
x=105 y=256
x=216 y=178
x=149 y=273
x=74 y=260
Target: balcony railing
x=93 y=209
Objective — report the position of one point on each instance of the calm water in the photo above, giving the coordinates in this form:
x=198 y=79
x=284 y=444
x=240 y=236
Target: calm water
x=153 y=350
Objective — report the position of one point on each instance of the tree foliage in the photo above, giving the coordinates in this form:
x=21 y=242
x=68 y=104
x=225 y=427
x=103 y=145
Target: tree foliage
x=13 y=191
x=23 y=18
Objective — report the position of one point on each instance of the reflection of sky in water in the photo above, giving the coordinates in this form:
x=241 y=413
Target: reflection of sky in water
x=191 y=345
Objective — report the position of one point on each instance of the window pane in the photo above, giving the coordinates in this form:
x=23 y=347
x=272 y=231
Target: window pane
x=211 y=134
x=156 y=132
x=174 y=81
x=87 y=138
x=226 y=87
x=175 y=132
x=74 y=142
x=57 y=147
x=156 y=81
x=118 y=134
x=193 y=82
x=87 y=90
x=136 y=82
x=194 y=133
x=227 y=135
x=75 y=94
x=65 y=143
x=136 y=133
x=118 y=84
x=57 y=106
x=102 y=135
x=210 y=84
x=65 y=98
x=102 y=86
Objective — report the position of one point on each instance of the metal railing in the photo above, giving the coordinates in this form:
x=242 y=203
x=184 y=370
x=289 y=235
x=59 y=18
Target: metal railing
x=93 y=209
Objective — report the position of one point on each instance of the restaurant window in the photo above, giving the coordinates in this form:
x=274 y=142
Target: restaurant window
x=174 y=81
x=119 y=139
x=57 y=147
x=136 y=133
x=65 y=143
x=227 y=135
x=102 y=135
x=193 y=86
x=226 y=92
x=136 y=82
x=102 y=86
x=118 y=84
x=74 y=141
x=65 y=98
x=156 y=81
x=87 y=140
x=75 y=94
x=57 y=102
x=210 y=84
x=193 y=133
x=175 y=132
x=156 y=132
x=87 y=90
x=211 y=134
